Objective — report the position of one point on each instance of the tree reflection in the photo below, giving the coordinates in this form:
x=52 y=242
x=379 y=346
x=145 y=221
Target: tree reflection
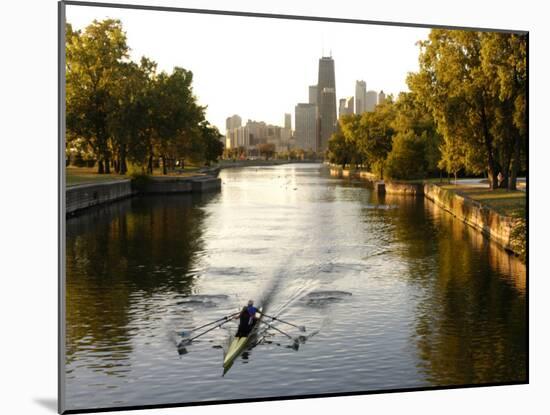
x=470 y=319
x=118 y=254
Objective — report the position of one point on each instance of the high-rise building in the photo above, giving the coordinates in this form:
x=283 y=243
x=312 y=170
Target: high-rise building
x=381 y=98
x=313 y=94
x=326 y=101
x=360 y=97
x=233 y=122
x=305 y=125
x=341 y=107
x=372 y=98
x=288 y=121
x=346 y=106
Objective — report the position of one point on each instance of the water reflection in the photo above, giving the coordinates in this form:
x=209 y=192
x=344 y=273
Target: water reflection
x=122 y=260
x=394 y=292
x=469 y=320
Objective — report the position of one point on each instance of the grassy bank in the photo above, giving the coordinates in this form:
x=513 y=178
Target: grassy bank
x=505 y=202
x=82 y=175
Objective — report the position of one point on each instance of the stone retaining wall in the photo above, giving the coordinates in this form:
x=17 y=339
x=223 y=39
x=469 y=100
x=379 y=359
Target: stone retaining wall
x=397 y=188
x=492 y=224
x=84 y=196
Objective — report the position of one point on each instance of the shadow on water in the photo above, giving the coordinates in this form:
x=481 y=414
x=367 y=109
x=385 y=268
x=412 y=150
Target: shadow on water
x=470 y=320
x=123 y=254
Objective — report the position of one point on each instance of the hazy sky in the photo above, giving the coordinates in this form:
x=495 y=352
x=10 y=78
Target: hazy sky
x=261 y=68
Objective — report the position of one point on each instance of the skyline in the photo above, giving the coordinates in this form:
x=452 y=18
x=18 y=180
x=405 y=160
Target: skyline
x=262 y=77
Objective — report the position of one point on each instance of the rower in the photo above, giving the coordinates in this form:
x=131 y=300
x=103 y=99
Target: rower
x=244 y=319
x=252 y=313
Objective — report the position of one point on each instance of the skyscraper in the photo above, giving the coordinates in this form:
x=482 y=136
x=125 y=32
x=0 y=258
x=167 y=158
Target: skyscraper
x=360 y=97
x=233 y=122
x=381 y=98
x=313 y=94
x=371 y=101
x=326 y=101
x=341 y=107
x=305 y=124
x=288 y=121
x=346 y=106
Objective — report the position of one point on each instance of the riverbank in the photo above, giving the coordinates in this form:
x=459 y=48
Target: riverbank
x=86 y=189
x=495 y=214
x=80 y=197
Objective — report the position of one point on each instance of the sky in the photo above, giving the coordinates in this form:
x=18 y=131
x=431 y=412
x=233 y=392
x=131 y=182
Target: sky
x=261 y=68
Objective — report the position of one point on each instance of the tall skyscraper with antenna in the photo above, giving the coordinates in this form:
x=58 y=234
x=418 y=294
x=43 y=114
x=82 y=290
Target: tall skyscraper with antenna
x=326 y=101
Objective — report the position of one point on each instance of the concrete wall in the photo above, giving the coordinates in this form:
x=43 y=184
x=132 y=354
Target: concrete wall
x=83 y=196
x=495 y=226
x=359 y=174
x=397 y=188
x=206 y=184
x=180 y=185
x=165 y=185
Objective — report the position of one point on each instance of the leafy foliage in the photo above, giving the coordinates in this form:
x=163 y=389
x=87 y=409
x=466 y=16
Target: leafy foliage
x=121 y=110
x=473 y=84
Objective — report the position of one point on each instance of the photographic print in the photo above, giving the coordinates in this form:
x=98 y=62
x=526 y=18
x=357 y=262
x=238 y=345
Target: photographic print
x=258 y=207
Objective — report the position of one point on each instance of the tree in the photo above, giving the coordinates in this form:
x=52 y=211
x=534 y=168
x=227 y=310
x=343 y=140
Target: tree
x=504 y=60
x=212 y=146
x=457 y=83
x=94 y=60
x=267 y=150
x=453 y=157
x=415 y=149
x=339 y=149
x=406 y=159
x=375 y=135
x=175 y=115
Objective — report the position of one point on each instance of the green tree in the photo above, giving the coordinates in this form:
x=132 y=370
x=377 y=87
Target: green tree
x=339 y=149
x=458 y=83
x=415 y=146
x=94 y=61
x=504 y=61
x=407 y=158
x=175 y=115
x=375 y=135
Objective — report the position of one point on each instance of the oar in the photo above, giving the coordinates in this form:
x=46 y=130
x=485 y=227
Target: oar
x=212 y=322
x=296 y=341
x=302 y=328
x=275 y=328
x=187 y=341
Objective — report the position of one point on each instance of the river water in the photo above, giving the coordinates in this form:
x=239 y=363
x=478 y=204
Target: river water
x=393 y=291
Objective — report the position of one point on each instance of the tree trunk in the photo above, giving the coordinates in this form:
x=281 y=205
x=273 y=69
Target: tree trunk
x=492 y=168
x=100 y=169
x=164 y=169
x=150 y=165
x=107 y=164
x=512 y=185
x=122 y=160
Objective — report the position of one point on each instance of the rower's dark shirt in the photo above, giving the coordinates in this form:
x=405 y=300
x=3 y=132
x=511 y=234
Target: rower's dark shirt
x=243 y=318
